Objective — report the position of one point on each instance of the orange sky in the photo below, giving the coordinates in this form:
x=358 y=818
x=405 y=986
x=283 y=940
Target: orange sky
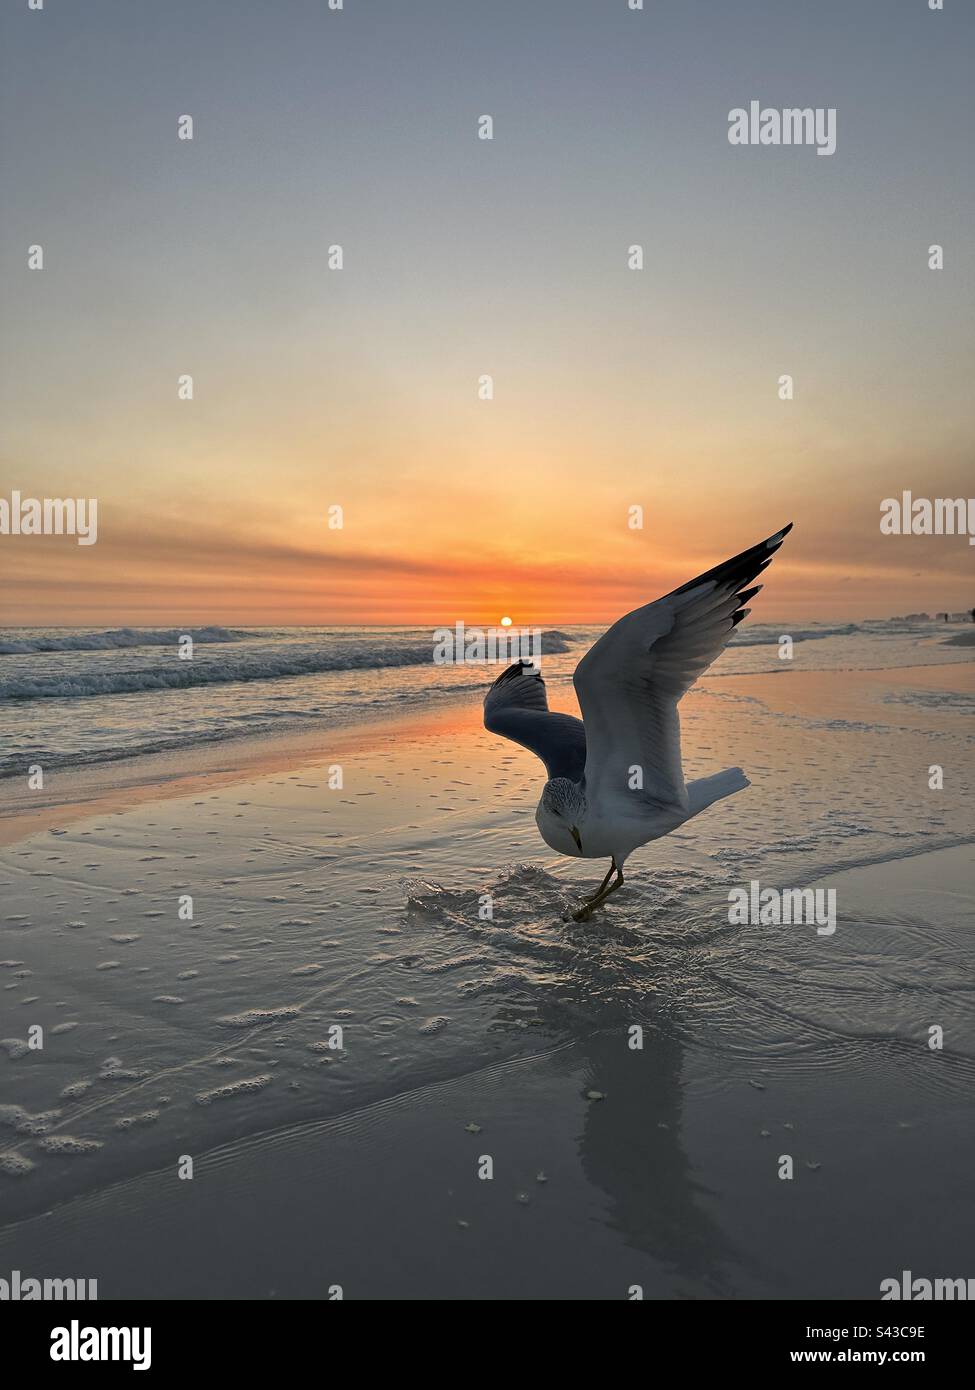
x=613 y=387
x=540 y=564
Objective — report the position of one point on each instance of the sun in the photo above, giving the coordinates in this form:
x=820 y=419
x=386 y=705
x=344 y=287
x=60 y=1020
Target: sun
x=505 y=622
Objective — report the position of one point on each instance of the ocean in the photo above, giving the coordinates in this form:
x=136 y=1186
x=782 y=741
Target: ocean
x=76 y=696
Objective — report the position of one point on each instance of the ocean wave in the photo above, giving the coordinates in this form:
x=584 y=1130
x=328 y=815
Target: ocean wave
x=752 y=637
x=119 y=638
x=953 y=701
x=262 y=665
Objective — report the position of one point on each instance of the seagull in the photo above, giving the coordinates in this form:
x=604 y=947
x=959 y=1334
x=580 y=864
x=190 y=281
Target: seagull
x=615 y=779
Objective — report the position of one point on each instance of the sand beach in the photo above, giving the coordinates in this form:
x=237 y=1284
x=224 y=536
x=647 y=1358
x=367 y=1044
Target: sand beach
x=340 y=1035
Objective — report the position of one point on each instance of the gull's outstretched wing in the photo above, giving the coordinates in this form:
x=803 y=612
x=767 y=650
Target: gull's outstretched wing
x=630 y=681
x=516 y=706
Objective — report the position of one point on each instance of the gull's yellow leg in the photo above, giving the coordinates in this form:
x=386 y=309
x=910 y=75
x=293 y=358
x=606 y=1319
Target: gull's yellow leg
x=601 y=894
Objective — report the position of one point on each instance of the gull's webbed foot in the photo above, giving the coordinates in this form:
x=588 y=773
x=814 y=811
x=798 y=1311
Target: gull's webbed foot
x=585 y=910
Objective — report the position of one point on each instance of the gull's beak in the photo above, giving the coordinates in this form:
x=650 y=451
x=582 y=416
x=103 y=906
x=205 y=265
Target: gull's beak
x=577 y=837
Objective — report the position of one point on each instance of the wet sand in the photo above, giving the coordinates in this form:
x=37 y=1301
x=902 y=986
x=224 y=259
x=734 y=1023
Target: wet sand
x=353 y=1159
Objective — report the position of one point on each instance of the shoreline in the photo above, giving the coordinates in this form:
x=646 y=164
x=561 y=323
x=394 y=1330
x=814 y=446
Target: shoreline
x=73 y=793
x=336 y=986
x=115 y=785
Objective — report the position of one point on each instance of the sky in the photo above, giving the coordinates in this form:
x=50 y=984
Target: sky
x=358 y=388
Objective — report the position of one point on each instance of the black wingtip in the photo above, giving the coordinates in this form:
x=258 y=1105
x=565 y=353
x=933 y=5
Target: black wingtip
x=740 y=569
x=519 y=668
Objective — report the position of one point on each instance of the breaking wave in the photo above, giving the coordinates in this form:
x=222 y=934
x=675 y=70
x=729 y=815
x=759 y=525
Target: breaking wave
x=268 y=662
x=116 y=639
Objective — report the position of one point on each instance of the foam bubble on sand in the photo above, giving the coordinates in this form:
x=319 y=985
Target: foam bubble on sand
x=15 y=1165
x=252 y=1017
x=75 y=1089
x=68 y=1144
x=306 y=970
x=235 y=1088
x=146 y=1117
x=16 y=1117
x=14 y=1047
x=63 y=1028
x=113 y=1070
x=167 y=999
x=433 y=1025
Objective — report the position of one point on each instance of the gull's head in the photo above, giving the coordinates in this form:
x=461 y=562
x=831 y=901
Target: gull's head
x=560 y=814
